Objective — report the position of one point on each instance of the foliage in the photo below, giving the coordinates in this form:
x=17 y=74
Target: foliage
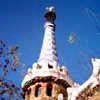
x=9 y=62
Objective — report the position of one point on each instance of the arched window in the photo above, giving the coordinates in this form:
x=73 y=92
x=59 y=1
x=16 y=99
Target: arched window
x=38 y=66
x=28 y=91
x=60 y=96
x=38 y=90
x=49 y=90
x=50 y=66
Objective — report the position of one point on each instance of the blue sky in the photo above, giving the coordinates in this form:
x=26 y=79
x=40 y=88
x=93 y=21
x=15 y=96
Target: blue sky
x=21 y=23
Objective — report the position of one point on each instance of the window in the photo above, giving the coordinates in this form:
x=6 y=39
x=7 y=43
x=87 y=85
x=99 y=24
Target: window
x=50 y=66
x=29 y=91
x=49 y=90
x=60 y=96
x=38 y=90
x=38 y=66
x=61 y=69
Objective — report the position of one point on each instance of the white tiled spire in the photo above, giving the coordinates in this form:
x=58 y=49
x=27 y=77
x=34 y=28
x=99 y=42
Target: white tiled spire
x=48 y=51
x=47 y=64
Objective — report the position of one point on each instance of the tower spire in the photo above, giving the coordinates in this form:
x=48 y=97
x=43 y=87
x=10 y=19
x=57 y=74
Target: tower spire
x=46 y=73
x=48 y=51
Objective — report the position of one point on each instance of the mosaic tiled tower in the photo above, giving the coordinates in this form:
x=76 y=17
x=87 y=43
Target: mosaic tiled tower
x=47 y=80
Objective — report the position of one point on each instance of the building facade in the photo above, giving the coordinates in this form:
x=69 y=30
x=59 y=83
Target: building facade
x=48 y=80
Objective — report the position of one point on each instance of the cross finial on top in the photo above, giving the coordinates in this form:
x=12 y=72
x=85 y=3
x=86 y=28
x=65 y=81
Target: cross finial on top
x=50 y=9
x=50 y=14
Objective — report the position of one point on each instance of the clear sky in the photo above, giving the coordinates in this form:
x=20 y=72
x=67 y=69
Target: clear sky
x=21 y=23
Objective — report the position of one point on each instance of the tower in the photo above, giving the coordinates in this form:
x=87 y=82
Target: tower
x=46 y=80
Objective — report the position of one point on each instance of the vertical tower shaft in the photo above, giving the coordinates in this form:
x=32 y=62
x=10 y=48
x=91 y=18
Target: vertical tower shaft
x=48 y=52
x=46 y=80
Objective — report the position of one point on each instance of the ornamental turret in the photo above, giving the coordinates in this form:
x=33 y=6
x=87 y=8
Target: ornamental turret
x=48 y=51
x=46 y=80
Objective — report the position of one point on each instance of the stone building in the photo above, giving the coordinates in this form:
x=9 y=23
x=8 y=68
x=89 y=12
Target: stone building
x=48 y=80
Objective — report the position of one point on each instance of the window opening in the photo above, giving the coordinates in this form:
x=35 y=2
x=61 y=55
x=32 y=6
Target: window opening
x=38 y=90
x=49 y=90
x=50 y=66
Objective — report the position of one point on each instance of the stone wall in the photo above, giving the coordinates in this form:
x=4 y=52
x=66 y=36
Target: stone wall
x=56 y=90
